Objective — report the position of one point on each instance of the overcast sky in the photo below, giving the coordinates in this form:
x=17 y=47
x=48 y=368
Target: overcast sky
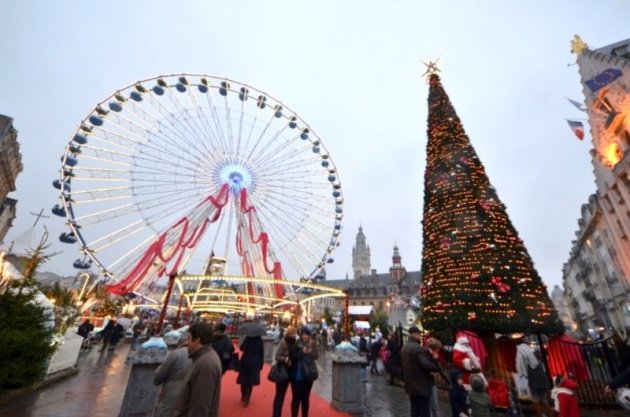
x=350 y=69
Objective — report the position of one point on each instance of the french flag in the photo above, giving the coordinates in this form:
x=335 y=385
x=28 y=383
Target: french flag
x=577 y=127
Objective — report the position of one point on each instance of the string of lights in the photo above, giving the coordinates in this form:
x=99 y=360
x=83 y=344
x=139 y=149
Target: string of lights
x=476 y=271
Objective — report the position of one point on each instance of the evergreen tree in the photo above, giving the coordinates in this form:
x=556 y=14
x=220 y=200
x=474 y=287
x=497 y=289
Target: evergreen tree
x=476 y=272
x=25 y=342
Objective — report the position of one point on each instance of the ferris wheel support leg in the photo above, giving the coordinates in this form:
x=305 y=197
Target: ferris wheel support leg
x=179 y=309
x=167 y=298
x=346 y=317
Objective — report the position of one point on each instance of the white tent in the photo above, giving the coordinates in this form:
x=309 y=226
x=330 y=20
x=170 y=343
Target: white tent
x=360 y=310
x=360 y=324
x=8 y=272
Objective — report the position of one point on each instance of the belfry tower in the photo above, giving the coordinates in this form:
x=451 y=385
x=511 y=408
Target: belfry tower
x=360 y=255
x=397 y=271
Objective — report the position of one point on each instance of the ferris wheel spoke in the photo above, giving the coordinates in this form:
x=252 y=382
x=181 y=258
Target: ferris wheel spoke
x=116 y=236
x=104 y=215
x=289 y=163
x=250 y=157
x=98 y=173
x=163 y=130
x=288 y=239
x=228 y=123
x=300 y=221
x=239 y=135
x=216 y=118
x=276 y=146
x=279 y=235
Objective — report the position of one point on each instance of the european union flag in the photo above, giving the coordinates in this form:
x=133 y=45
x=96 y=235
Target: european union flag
x=603 y=79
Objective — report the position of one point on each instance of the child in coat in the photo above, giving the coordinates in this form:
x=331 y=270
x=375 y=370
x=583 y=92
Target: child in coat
x=564 y=397
x=458 y=395
x=478 y=398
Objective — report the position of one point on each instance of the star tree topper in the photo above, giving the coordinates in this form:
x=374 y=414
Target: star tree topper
x=431 y=68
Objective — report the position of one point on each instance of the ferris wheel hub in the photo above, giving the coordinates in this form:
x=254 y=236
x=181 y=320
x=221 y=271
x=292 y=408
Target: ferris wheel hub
x=237 y=177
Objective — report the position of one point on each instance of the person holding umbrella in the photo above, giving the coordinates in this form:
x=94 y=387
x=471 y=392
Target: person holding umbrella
x=252 y=358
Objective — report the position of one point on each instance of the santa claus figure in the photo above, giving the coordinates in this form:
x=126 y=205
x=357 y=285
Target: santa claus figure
x=464 y=359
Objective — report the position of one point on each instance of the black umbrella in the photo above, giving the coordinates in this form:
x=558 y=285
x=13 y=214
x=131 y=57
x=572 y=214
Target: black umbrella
x=249 y=329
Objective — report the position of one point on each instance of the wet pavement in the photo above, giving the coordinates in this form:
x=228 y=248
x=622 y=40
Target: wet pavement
x=98 y=389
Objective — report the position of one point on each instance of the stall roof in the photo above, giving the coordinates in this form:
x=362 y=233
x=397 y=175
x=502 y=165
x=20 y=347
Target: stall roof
x=360 y=310
x=362 y=324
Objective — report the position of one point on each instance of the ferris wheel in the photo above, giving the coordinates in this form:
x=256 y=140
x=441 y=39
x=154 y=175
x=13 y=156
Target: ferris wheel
x=171 y=170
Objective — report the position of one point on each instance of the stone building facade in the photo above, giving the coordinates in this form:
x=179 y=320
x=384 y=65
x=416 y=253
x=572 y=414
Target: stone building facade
x=10 y=167
x=7 y=215
x=597 y=275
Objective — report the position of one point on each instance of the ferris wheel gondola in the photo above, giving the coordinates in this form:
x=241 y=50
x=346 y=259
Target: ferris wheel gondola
x=170 y=169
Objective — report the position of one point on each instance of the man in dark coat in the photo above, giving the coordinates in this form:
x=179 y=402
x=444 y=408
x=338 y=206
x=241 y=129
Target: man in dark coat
x=172 y=375
x=85 y=328
x=250 y=365
x=222 y=344
x=201 y=392
x=111 y=334
x=417 y=366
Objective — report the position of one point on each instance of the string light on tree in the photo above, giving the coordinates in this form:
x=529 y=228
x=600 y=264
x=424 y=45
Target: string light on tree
x=477 y=273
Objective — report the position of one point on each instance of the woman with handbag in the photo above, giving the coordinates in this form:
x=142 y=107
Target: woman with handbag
x=303 y=371
x=282 y=359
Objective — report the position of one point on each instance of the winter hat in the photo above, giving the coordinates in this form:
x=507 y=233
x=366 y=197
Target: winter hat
x=306 y=330
x=463 y=340
x=454 y=375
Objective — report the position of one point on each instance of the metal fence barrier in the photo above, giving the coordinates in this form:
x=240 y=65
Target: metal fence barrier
x=66 y=354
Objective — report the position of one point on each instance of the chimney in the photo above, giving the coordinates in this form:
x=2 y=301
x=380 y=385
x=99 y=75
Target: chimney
x=373 y=273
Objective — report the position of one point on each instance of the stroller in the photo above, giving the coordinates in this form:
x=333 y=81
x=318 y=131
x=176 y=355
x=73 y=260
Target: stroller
x=90 y=340
x=502 y=398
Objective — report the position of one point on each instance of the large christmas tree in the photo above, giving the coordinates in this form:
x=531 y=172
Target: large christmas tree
x=476 y=272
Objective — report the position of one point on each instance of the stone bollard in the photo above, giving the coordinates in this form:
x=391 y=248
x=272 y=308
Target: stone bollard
x=268 y=344
x=141 y=395
x=347 y=388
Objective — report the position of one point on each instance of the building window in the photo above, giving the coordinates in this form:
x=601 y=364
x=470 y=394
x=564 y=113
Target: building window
x=618 y=194
x=608 y=204
x=622 y=232
x=625 y=177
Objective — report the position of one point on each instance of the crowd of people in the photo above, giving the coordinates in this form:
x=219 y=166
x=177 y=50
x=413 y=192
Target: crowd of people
x=190 y=377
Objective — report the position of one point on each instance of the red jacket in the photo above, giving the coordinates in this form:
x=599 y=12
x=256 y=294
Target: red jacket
x=566 y=400
x=463 y=363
